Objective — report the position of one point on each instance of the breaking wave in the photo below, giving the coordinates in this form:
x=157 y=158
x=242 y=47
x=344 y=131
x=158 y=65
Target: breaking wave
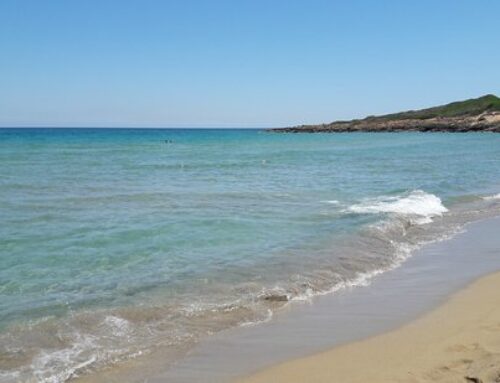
x=492 y=197
x=419 y=206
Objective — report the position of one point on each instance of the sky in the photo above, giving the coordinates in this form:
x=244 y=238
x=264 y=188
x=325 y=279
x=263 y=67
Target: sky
x=239 y=63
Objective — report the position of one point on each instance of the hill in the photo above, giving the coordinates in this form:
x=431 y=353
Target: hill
x=478 y=114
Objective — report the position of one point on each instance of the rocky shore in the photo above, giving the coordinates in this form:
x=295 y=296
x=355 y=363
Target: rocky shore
x=482 y=114
x=488 y=122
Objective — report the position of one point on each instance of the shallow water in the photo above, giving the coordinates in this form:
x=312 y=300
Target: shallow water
x=425 y=281
x=117 y=242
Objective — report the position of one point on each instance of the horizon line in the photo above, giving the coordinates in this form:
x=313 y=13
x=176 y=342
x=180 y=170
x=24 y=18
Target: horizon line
x=138 y=127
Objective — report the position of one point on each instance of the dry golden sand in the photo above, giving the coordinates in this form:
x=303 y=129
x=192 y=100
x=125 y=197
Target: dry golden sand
x=457 y=342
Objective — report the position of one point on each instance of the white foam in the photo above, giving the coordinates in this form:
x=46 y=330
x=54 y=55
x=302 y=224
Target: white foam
x=267 y=318
x=492 y=197
x=62 y=365
x=118 y=326
x=403 y=251
x=333 y=202
x=418 y=204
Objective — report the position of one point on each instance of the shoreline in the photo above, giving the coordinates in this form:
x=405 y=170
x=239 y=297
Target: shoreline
x=274 y=350
x=459 y=340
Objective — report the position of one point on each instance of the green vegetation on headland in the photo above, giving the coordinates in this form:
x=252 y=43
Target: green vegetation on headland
x=471 y=107
x=478 y=114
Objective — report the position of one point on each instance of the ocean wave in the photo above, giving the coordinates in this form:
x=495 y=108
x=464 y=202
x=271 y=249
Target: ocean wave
x=419 y=205
x=492 y=197
x=89 y=341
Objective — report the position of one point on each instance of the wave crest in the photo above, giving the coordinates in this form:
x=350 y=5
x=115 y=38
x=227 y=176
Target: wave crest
x=492 y=197
x=419 y=204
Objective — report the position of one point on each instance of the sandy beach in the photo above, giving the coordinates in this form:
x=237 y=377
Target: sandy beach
x=459 y=341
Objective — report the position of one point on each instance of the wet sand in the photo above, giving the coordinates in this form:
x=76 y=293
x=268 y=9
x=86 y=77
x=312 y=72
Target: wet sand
x=458 y=342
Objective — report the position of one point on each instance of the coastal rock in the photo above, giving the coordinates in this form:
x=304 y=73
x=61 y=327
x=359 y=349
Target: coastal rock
x=481 y=114
x=276 y=298
x=487 y=122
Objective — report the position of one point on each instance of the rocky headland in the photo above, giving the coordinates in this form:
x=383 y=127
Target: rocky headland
x=474 y=115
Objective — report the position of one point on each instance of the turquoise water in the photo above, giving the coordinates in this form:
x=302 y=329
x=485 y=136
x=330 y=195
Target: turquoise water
x=114 y=242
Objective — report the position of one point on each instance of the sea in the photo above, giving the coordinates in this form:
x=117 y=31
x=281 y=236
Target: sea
x=118 y=243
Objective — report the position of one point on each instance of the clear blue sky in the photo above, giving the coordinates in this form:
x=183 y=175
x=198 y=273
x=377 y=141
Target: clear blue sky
x=239 y=63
